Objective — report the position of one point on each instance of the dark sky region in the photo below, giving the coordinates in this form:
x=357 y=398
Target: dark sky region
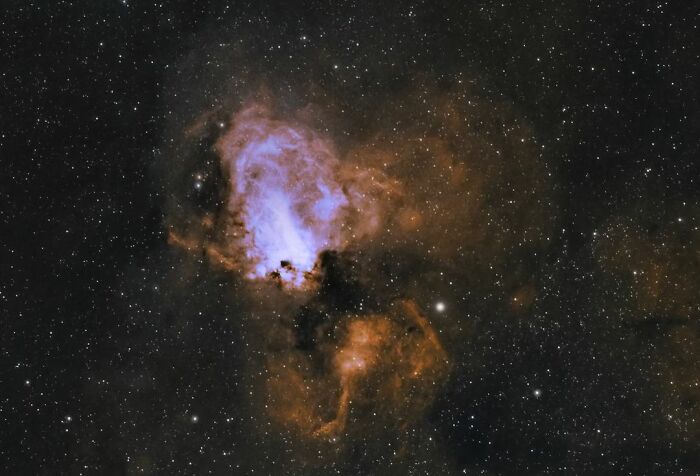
x=354 y=238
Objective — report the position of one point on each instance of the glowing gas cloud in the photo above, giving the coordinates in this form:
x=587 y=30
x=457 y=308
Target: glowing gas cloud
x=343 y=243
x=285 y=193
x=385 y=365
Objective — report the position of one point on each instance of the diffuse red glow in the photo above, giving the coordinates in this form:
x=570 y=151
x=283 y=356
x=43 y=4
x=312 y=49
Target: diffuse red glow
x=289 y=197
x=386 y=364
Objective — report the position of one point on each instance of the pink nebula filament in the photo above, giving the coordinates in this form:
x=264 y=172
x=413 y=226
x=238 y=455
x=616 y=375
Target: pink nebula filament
x=283 y=186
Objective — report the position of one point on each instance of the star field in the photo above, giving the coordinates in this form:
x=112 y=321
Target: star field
x=320 y=238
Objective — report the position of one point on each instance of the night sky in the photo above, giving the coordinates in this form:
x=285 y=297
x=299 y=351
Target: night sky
x=352 y=238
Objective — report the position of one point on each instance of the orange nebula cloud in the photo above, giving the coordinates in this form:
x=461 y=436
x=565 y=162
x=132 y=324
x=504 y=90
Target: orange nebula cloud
x=387 y=364
x=459 y=185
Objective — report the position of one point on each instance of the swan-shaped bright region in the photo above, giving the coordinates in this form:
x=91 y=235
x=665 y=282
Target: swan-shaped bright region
x=284 y=189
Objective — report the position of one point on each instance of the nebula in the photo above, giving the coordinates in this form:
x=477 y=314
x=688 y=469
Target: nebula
x=386 y=365
x=337 y=235
x=289 y=199
x=286 y=195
